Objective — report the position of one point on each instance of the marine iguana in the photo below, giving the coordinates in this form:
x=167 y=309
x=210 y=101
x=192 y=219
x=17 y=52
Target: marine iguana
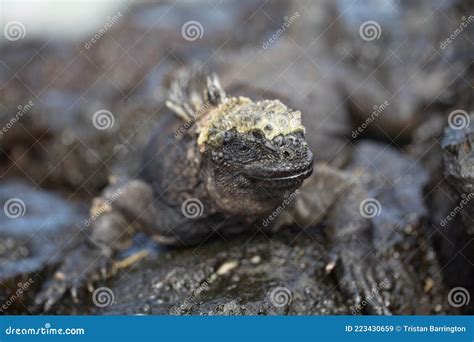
x=220 y=165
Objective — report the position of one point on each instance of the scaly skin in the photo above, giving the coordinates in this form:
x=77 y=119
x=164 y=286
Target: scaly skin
x=237 y=160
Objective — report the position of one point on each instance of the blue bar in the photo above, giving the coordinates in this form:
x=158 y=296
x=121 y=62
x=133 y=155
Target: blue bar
x=248 y=329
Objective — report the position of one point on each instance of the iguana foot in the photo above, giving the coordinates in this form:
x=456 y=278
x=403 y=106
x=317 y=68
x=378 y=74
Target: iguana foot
x=87 y=264
x=362 y=279
x=81 y=269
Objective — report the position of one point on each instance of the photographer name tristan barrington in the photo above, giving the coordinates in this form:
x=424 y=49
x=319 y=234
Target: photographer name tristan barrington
x=434 y=329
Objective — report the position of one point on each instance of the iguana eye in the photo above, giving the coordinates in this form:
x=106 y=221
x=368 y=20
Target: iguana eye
x=240 y=150
x=243 y=149
x=257 y=135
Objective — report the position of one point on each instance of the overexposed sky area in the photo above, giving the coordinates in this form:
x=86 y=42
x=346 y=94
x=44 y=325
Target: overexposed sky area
x=57 y=19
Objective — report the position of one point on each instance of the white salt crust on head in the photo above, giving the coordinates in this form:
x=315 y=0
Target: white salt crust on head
x=271 y=117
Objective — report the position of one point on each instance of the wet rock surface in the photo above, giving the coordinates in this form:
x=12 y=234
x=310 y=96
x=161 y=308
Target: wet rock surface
x=444 y=150
x=234 y=277
x=458 y=224
x=35 y=227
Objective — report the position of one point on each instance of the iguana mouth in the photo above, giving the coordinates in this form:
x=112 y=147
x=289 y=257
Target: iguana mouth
x=290 y=181
x=282 y=176
x=292 y=176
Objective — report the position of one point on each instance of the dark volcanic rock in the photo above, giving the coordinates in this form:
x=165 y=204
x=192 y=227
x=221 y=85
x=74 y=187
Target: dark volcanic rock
x=445 y=154
x=396 y=182
x=230 y=277
x=457 y=244
x=458 y=148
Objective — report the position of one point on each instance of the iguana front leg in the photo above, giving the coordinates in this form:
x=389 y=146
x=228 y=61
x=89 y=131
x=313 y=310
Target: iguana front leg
x=335 y=196
x=121 y=209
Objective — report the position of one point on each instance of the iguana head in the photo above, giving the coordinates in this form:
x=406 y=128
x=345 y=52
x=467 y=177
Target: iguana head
x=255 y=154
x=252 y=153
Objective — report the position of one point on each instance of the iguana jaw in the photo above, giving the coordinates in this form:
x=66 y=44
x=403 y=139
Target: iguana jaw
x=280 y=175
x=289 y=176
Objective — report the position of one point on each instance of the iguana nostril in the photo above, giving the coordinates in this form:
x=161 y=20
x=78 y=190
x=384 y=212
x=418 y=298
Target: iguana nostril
x=287 y=153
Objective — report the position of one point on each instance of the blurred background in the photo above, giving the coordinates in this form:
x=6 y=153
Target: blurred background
x=379 y=83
